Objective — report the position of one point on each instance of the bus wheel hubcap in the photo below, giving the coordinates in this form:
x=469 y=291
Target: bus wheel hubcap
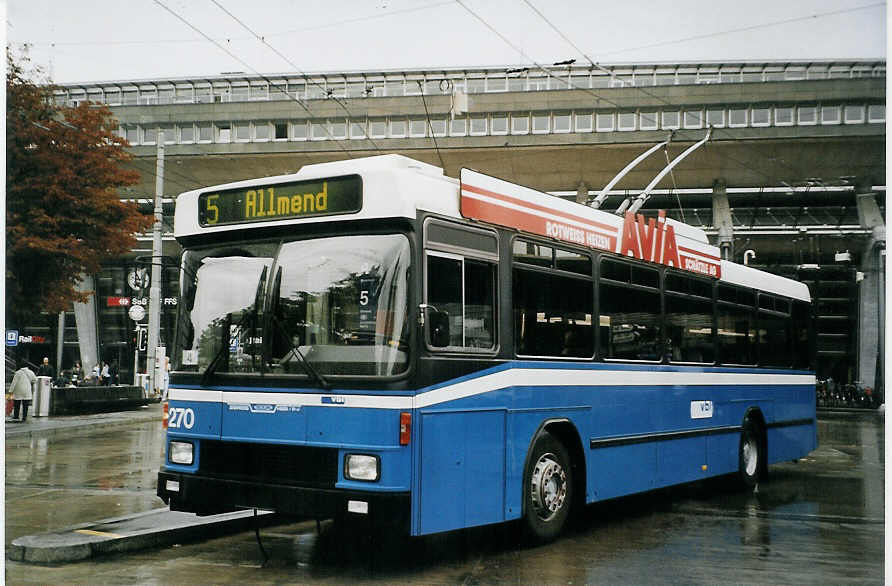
x=548 y=486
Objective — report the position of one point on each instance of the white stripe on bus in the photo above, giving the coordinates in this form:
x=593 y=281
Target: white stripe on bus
x=514 y=377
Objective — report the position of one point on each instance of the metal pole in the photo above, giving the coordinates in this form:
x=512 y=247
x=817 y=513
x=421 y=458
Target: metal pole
x=155 y=287
x=60 y=343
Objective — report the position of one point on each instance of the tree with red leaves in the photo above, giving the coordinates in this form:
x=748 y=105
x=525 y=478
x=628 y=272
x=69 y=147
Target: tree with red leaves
x=63 y=214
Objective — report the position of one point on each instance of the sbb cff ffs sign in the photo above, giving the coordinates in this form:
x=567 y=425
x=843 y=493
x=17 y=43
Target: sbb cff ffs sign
x=129 y=301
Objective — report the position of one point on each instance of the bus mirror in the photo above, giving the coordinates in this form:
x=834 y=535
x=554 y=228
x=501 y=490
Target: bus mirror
x=437 y=326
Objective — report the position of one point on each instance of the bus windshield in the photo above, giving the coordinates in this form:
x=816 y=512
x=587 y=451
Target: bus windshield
x=327 y=306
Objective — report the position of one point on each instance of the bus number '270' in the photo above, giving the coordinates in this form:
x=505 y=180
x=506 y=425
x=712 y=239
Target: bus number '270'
x=181 y=417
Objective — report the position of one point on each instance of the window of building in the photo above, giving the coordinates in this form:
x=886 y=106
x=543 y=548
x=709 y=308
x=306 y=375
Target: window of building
x=665 y=78
x=604 y=122
x=541 y=123
x=579 y=81
x=807 y=115
x=131 y=133
x=438 y=126
x=561 y=122
x=729 y=76
x=520 y=123
x=648 y=120
x=478 y=125
x=338 y=129
x=394 y=87
x=830 y=114
x=499 y=123
x=281 y=130
x=205 y=132
x=378 y=128
x=319 y=130
x=737 y=117
x=259 y=92
x=355 y=89
x=751 y=77
x=169 y=133
x=600 y=80
x=693 y=119
x=715 y=118
x=242 y=132
x=783 y=116
x=458 y=127
x=671 y=120
x=537 y=83
x=583 y=121
x=496 y=84
x=476 y=86
x=203 y=94
x=517 y=84
x=299 y=131
x=876 y=113
x=761 y=117
x=149 y=135
x=625 y=121
x=187 y=133
x=644 y=78
x=417 y=127
x=224 y=132
x=398 y=127
x=854 y=114
x=240 y=92
x=113 y=96
x=357 y=129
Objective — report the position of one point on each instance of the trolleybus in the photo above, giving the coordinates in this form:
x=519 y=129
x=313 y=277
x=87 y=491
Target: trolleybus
x=372 y=338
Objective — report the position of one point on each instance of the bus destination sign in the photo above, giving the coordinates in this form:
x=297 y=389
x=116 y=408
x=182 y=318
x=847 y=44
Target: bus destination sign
x=279 y=201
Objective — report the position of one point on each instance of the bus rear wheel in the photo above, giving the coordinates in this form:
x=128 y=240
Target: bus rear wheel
x=548 y=488
x=750 y=458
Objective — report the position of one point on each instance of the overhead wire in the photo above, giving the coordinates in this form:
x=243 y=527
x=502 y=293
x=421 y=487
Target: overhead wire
x=255 y=71
x=292 y=64
x=430 y=125
x=644 y=91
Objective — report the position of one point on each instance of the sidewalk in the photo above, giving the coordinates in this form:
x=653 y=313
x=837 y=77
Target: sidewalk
x=70 y=424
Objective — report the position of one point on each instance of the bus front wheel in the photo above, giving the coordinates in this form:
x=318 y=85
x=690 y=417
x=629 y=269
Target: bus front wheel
x=548 y=488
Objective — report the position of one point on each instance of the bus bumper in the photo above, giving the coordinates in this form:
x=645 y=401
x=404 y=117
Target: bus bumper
x=205 y=495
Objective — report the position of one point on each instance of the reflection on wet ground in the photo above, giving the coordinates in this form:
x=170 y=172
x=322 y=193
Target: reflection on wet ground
x=816 y=521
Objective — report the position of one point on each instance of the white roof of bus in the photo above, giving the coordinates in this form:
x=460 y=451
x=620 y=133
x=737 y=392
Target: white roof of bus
x=393 y=186
x=397 y=186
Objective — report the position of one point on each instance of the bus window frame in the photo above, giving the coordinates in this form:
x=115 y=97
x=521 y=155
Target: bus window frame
x=553 y=269
x=598 y=280
x=458 y=252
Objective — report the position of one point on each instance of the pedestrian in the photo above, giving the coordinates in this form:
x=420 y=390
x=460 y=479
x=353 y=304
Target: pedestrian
x=113 y=372
x=22 y=387
x=106 y=376
x=77 y=373
x=45 y=368
x=95 y=375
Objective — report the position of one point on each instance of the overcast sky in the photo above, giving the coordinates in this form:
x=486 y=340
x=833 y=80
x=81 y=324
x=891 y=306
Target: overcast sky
x=97 y=40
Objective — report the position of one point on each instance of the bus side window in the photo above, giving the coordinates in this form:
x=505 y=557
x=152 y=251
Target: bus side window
x=461 y=293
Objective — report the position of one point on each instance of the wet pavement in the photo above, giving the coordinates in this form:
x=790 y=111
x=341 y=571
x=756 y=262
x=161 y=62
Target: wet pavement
x=817 y=521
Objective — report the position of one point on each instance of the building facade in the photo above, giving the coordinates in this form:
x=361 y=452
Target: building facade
x=792 y=178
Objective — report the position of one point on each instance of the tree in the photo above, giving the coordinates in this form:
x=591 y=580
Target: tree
x=63 y=214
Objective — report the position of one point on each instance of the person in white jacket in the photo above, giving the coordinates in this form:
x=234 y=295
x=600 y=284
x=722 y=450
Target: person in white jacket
x=22 y=386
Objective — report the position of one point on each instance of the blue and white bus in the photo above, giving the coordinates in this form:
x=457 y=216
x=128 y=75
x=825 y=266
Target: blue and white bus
x=372 y=338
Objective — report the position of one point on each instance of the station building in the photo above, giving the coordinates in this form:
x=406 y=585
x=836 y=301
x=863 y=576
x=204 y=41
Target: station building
x=792 y=179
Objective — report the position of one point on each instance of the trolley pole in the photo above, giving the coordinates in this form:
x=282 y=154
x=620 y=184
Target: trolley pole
x=155 y=287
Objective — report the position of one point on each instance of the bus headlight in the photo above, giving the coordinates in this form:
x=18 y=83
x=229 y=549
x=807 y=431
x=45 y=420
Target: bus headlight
x=180 y=453
x=362 y=467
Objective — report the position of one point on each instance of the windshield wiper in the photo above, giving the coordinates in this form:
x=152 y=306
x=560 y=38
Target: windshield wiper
x=309 y=368
x=224 y=348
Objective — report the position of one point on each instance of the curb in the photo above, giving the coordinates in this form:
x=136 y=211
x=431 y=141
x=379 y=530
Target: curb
x=155 y=528
x=75 y=427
